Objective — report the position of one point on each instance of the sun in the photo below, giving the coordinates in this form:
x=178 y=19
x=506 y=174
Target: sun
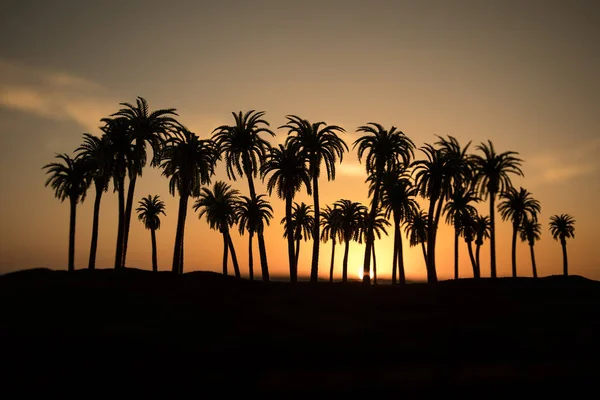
x=361 y=273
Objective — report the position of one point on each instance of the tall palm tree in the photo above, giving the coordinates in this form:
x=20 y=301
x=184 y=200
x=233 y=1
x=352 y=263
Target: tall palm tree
x=492 y=177
x=189 y=162
x=97 y=155
x=244 y=150
x=287 y=172
x=458 y=210
x=530 y=231
x=517 y=206
x=351 y=216
x=378 y=224
x=149 y=211
x=416 y=228
x=70 y=179
x=398 y=200
x=219 y=207
x=381 y=149
x=253 y=215
x=331 y=230
x=146 y=127
x=483 y=230
x=563 y=227
x=302 y=225
x=318 y=143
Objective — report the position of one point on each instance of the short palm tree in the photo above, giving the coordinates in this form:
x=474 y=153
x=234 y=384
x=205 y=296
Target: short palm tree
x=97 y=154
x=253 y=215
x=492 y=172
x=381 y=149
x=379 y=225
x=416 y=228
x=189 y=162
x=149 y=211
x=244 y=149
x=351 y=216
x=467 y=230
x=331 y=230
x=302 y=226
x=219 y=208
x=70 y=179
x=318 y=143
x=483 y=229
x=517 y=206
x=530 y=231
x=563 y=227
x=287 y=172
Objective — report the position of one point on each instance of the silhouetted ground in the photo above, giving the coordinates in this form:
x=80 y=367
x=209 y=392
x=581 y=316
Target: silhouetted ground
x=114 y=331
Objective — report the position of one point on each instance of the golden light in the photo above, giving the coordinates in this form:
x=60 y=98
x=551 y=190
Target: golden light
x=361 y=273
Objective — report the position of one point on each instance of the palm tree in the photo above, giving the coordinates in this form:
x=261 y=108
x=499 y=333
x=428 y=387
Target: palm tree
x=382 y=149
x=467 y=230
x=562 y=227
x=146 y=127
x=288 y=173
x=252 y=216
x=70 y=179
x=492 y=177
x=351 y=217
x=244 y=150
x=378 y=224
x=517 y=206
x=189 y=162
x=483 y=230
x=318 y=143
x=302 y=226
x=398 y=200
x=530 y=231
x=416 y=228
x=219 y=208
x=149 y=211
x=458 y=210
x=331 y=230
x=98 y=158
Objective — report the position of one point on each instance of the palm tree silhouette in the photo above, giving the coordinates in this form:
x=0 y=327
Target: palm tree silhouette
x=483 y=229
x=331 y=230
x=492 y=177
x=562 y=227
x=149 y=211
x=189 y=162
x=70 y=179
x=318 y=143
x=351 y=217
x=97 y=155
x=530 y=231
x=378 y=224
x=416 y=228
x=459 y=209
x=302 y=226
x=288 y=172
x=244 y=150
x=467 y=230
x=517 y=206
x=145 y=127
x=252 y=216
x=381 y=149
x=219 y=208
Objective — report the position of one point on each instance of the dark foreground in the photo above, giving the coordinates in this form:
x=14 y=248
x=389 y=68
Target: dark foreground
x=142 y=333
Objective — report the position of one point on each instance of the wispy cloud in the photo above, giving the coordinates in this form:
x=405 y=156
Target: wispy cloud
x=560 y=166
x=351 y=169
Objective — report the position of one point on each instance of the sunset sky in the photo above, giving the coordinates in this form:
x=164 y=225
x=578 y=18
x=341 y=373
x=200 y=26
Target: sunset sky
x=523 y=74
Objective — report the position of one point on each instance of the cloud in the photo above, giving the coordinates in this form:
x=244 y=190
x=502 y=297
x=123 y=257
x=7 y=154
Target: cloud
x=351 y=169
x=557 y=167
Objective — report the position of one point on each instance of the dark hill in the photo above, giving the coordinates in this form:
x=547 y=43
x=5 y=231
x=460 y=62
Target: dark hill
x=105 y=329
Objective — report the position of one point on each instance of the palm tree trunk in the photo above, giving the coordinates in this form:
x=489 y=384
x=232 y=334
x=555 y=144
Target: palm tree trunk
x=121 y=223
x=250 y=256
x=95 y=224
x=236 y=266
x=332 y=260
x=431 y=272
x=563 y=242
x=345 y=262
x=374 y=266
x=261 y=239
x=178 y=251
x=314 y=266
x=436 y=222
x=455 y=253
x=533 y=267
x=370 y=238
x=263 y=257
x=128 y=210
x=477 y=258
x=290 y=238
x=395 y=257
x=400 y=257
x=297 y=252
x=492 y=236
x=154 y=258
x=73 y=204
x=225 y=253
x=514 y=250
x=424 y=255
x=473 y=263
